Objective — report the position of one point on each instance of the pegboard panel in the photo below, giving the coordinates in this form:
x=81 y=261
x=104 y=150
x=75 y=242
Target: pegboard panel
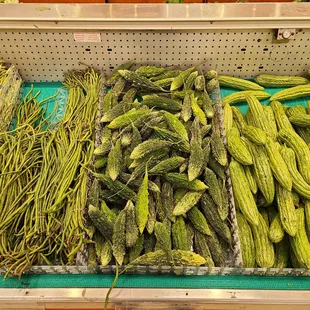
x=45 y=56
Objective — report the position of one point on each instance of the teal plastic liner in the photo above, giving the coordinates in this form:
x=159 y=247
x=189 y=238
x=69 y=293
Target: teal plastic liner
x=47 y=89
x=55 y=107
x=159 y=281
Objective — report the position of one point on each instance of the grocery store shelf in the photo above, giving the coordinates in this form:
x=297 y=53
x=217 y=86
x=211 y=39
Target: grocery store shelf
x=155 y=16
x=40 y=39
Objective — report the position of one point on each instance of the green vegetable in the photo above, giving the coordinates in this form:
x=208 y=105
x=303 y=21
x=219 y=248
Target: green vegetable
x=142 y=204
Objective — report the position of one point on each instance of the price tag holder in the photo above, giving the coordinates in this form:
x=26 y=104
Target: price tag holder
x=87 y=37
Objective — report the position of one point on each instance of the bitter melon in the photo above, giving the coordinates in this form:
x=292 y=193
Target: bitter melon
x=276 y=231
x=280 y=116
x=142 y=204
x=259 y=115
x=282 y=250
x=287 y=211
x=251 y=180
x=292 y=93
x=278 y=165
x=114 y=160
x=254 y=134
x=212 y=74
x=271 y=119
x=150 y=71
x=210 y=211
x=269 y=80
x=216 y=249
x=228 y=118
x=132 y=231
x=128 y=118
x=115 y=74
x=181 y=78
x=104 y=222
x=237 y=83
x=175 y=139
x=196 y=158
x=163 y=236
x=263 y=245
x=300 y=244
x=239 y=119
x=176 y=125
x=119 y=237
x=242 y=193
x=198 y=220
x=163 y=103
x=200 y=83
x=140 y=81
x=176 y=258
x=237 y=149
x=239 y=96
x=181 y=180
x=179 y=234
x=247 y=242
x=188 y=201
x=201 y=247
x=302 y=151
x=135 y=251
x=262 y=171
x=211 y=85
x=218 y=148
x=207 y=105
x=214 y=188
x=167 y=165
x=300 y=120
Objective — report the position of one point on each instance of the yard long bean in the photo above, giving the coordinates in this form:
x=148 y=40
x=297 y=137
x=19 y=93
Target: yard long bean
x=43 y=179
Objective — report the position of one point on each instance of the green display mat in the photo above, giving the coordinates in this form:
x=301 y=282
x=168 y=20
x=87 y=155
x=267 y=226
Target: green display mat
x=157 y=281
x=46 y=89
x=55 y=107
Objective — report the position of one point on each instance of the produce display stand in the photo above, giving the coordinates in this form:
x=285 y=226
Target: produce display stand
x=44 y=41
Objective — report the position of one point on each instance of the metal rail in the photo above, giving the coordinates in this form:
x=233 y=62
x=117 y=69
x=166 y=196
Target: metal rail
x=126 y=298
x=155 y=16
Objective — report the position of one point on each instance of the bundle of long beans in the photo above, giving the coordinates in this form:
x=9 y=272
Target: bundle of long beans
x=43 y=182
x=10 y=83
